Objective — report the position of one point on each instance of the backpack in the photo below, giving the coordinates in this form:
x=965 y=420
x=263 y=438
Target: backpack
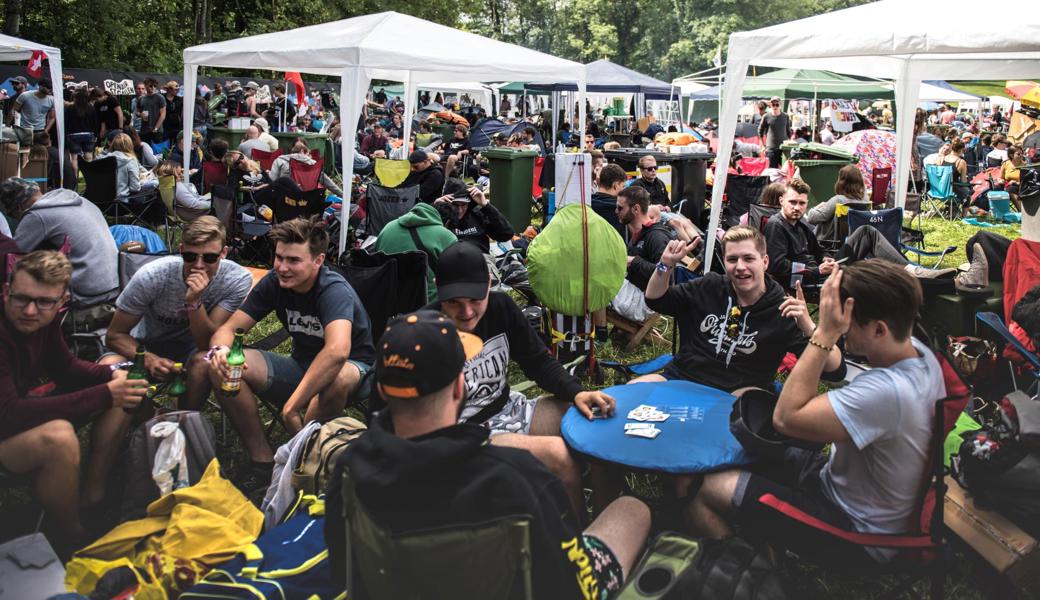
x=290 y=561
x=200 y=449
x=732 y=569
x=664 y=570
x=320 y=452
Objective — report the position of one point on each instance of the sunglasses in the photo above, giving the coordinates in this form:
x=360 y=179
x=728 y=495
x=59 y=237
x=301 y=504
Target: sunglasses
x=654 y=168
x=21 y=301
x=209 y=258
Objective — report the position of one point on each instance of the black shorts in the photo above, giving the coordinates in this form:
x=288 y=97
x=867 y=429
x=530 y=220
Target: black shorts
x=795 y=481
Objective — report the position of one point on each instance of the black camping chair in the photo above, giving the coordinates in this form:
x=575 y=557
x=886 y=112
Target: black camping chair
x=741 y=192
x=386 y=204
x=142 y=208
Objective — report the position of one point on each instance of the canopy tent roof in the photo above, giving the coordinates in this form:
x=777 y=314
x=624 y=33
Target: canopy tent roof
x=806 y=84
x=15 y=49
x=936 y=90
x=984 y=89
x=605 y=76
x=884 y=40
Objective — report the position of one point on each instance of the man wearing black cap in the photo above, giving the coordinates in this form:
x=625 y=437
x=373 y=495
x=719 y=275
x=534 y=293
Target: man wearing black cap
x=418 y=467
x=426 y=175
x=463 y=289
x=467 y=213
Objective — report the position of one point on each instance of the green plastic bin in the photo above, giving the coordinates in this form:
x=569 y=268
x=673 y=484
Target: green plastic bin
x=512 y=173
x=821 y=175
x=232 y=136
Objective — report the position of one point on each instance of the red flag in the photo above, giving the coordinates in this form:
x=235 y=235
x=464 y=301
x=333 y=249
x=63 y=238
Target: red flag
x=297 y=82
x=35 y=66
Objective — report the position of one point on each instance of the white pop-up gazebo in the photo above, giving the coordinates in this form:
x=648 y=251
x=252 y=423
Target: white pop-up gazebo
x=13 y=49
x=388 y=46
x=906 y=42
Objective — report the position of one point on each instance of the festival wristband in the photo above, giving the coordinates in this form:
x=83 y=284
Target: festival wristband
x=663 y=268
x=213 y=350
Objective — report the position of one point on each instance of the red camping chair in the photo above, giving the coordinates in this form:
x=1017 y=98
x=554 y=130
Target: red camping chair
x=266 y=159
x=316 y=154
x=753 y=166
x=308 y=177
x=539 y=164
x=921 y=553
x=880 y=179
x=214 y=172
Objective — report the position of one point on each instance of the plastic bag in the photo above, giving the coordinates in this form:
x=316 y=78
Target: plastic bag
x=631 y=303
x=170 y=469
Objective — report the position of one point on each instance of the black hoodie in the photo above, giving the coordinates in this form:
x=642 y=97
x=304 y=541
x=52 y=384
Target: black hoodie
x=453 y=476
x=707 y=355
x=477 y=224
x=646 y=249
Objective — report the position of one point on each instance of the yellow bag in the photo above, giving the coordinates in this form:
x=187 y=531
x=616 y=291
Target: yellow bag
x=185 y=533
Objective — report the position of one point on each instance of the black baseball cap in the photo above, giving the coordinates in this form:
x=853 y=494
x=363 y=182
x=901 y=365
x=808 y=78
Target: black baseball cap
x=421 y=353
x=418 y=156
x=462 y=272
x=456 y=188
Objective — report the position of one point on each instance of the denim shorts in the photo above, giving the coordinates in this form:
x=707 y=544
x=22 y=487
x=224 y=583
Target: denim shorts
x=81 y=143
x=284 y=373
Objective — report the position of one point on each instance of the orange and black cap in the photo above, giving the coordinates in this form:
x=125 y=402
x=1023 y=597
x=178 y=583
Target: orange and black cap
x=421 y=353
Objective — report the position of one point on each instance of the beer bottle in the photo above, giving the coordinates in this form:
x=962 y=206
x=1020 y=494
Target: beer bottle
x=177 y=387
x=236 y=359
x=137 y=370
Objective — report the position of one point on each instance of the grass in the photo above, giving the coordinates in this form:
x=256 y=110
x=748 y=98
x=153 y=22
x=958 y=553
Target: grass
x=969 y=577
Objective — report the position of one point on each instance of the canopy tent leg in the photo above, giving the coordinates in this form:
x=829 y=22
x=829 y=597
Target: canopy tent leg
x=353 y=87
x=191 y=73
x=729 y=106
x=908 y=88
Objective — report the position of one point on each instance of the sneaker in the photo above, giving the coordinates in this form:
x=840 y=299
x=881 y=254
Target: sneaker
x=977 y=275
x=254 y=479
x=926 y=273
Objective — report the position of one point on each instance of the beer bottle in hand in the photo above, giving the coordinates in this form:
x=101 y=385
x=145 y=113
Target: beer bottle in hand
x=137 y=370
x=236 y=359
x=177 y=387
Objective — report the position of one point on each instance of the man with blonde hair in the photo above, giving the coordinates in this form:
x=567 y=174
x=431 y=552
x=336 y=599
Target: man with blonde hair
x=36 y=422
x=173 y=306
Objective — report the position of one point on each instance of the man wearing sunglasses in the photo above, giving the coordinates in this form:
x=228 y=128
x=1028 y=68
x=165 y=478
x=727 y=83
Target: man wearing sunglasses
x=774 y=129
x=648 y=181
x=173 y=306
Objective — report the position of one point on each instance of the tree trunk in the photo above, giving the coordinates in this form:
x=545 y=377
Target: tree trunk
x=12 y=16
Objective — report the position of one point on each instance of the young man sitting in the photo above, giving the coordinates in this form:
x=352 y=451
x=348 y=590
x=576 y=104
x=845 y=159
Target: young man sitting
x=604 y=201
x=464 y=292
x=879 y=424
x=647 y=239
x=174 y=305
x=422 y=466
x=332 y=344
x=36 y=425
x=735 y=328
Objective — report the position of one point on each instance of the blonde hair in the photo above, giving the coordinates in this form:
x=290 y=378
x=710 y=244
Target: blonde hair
x=122 y=143
x=48 y=267
x=203 y=230
x=165 y=168
x=744 y=233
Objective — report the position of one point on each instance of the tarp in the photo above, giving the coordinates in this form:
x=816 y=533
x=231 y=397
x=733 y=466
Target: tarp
x=607 y=77
x=806 y=84
x=16 y=49
x=388 y=46
x=885 y=40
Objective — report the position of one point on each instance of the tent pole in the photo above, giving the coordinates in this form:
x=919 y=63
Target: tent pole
x=191 y=72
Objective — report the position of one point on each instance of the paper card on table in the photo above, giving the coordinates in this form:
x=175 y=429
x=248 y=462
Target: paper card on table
x=644 y=433
x=630 y=426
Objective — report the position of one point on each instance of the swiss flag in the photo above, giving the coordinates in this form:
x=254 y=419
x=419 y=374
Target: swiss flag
x=35 y=66
x=296 y=80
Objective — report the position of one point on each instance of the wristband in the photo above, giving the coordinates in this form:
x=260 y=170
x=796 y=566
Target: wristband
x=663 y=268
x=193 y=307
x=126 y=364
x=212 y=351
x=813 y=341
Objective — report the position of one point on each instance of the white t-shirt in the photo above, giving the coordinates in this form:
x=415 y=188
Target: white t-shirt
x=876 y=478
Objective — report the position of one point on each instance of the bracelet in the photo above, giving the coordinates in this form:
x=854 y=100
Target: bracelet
x=663 y=268
x=821 y=346
x=193 y=307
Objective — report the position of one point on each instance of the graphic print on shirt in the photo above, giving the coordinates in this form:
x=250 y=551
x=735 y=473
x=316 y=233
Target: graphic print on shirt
x=743 y=341
x=306 y=324
x=486 y=375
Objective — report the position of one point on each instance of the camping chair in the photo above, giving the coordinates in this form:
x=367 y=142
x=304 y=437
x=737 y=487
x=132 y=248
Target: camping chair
x=316 y=154
x=100 y=177
x=308 y=177
x=288 y=207
x=214 y=172
x=249 y=241
x=940 y=196
x=758 y=214
x=491 y=559
x=160 y=148
x=840 y=221
x=753 y=166
x=880 y=179
x=741 y=192
x=391 y=173
x=997 y=324
x=266 y=159
x=889 y=222
x=36 y=171
x=168 y=194
x=922 y=553
x=385 y=204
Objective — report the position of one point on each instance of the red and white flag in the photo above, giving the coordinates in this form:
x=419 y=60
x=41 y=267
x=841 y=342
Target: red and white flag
x=35 y=66
x=296 y=80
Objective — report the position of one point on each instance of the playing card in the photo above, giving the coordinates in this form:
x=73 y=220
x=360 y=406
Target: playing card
x=649 y=433
x=657 y=417
x=629 y=426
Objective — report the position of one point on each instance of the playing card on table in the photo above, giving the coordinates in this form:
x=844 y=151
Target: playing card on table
x=629 y=426
x=648 y=433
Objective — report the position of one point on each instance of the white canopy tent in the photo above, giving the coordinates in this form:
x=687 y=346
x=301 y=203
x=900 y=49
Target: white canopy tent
x=885 y=40
x=386 y=45
x=936 y=93
x=14 y=49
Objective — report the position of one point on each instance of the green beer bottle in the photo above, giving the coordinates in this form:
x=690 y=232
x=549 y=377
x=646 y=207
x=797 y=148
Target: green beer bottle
x=236 y=359
x=137 y=370
x=177 y=387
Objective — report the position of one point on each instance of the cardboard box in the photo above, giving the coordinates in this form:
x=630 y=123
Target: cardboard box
x=10 y=161
x=1011 y=551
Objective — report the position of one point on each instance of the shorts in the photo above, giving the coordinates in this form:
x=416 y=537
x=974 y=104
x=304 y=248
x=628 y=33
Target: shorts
x=284 y=373
x=605 y=566
x=174 y=350
x=515 y=416
x=796 y=481
x=80 y=143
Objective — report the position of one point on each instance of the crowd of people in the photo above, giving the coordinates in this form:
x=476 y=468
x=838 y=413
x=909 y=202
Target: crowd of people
x=446 y=428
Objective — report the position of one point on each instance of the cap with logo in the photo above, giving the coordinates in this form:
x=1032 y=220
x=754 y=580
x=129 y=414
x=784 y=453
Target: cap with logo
x=422 y=353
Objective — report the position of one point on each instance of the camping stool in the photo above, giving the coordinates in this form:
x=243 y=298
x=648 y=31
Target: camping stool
x=636 y=330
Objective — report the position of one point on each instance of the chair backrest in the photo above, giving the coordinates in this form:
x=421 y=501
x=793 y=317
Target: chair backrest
x=741 y=191
x=160 y=147
x=940 y=180
x=316 y=154
x=289 y=206
x=308 y=177
x=999 y=208
x=889 y=221
x=386 y=204
x=758 y=214
x=880 y=178
x=387 y=284
x=168 y=193
x=132 y=262
x=100 y=177
x=392 y=173
x=214 y=172
x=266 y=159
x=753 y=166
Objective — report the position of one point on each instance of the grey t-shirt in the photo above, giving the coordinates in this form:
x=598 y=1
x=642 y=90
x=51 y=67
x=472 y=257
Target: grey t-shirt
x=876 y=477
x=35 y=109
x=156 y=294
x=153 y=103
x=777 y=129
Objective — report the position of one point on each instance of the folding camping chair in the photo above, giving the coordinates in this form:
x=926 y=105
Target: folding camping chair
x=391 y=173
x=142 y=207
x=384 y=204
x=997 y=324
x=758 y=214
x=840 y=223
x=266 y=159
x=287 y=207
x=214 y=172
x=940 y=197
x=880 y=179
x=1000 y=208
x=308 y=177
x=741 y=192
x=160 y=148
x=889 y=222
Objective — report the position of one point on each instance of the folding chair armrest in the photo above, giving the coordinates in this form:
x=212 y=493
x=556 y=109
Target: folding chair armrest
x=881 y=540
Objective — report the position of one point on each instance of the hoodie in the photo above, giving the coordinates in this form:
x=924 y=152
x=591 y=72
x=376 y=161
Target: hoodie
x=425 y=221
x=713 y=353
x=646 y=249
x=454 y=477
x=477 y=224
x=64 y=213
x=280 y=168
x=605 y=206
x=128 y=175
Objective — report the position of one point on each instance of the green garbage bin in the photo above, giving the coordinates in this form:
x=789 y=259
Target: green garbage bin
x=512 y=173
x=232 y=136
x=820 y=173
